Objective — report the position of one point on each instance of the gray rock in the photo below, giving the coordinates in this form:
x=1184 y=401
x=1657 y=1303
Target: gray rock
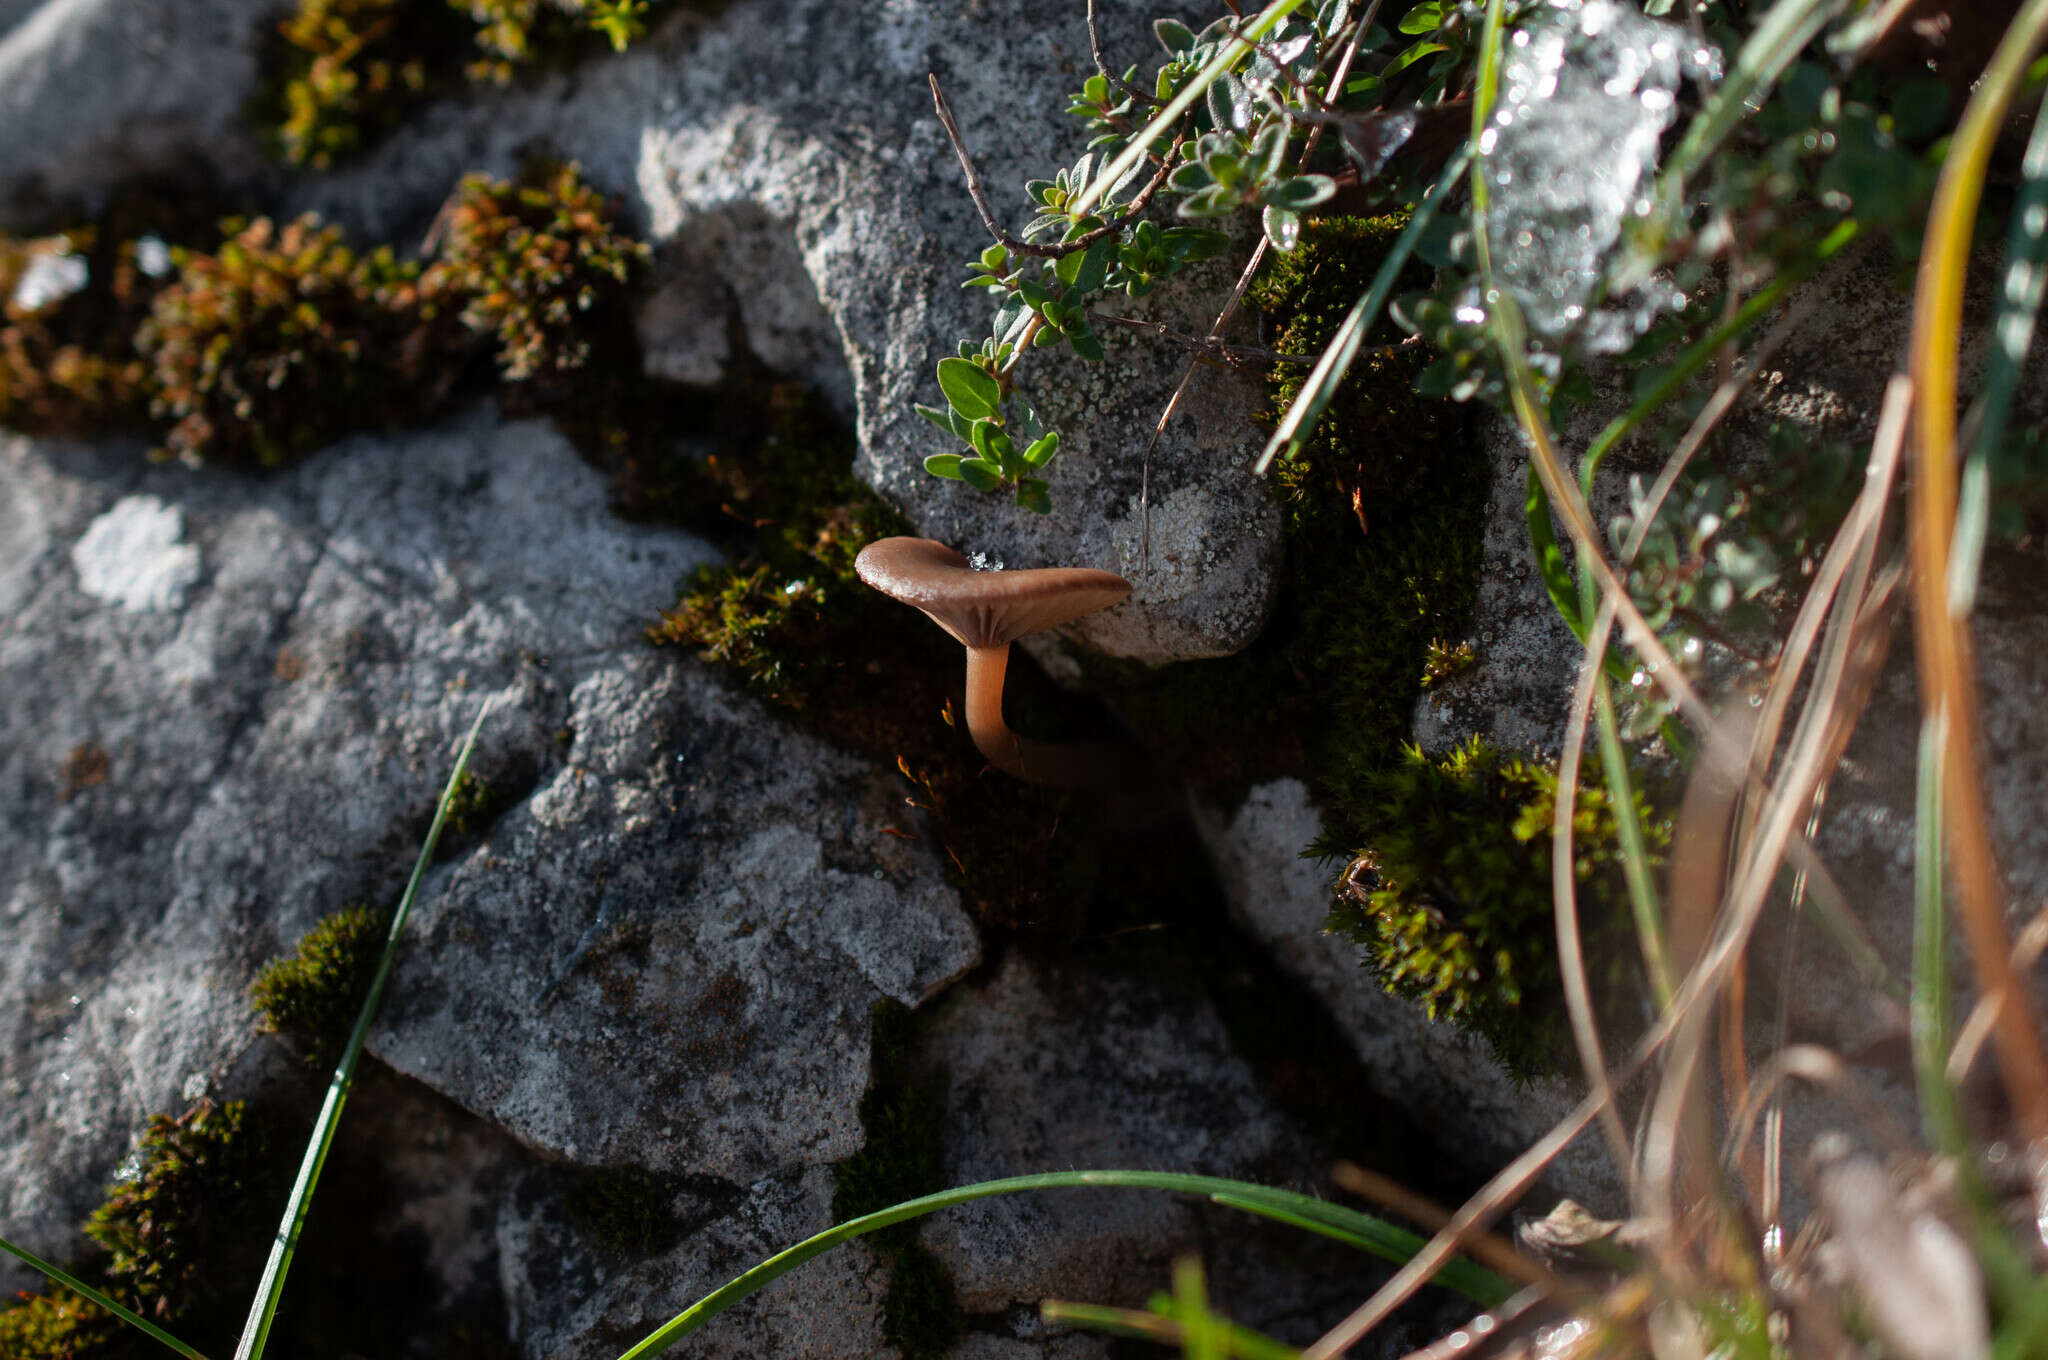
x=1045 y=1069
x=569 y=1300
x=185 y=789
x=1448 y=1082
x=92 y=91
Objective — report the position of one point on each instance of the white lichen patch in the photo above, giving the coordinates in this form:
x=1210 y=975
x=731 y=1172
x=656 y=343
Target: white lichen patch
x=135 y=556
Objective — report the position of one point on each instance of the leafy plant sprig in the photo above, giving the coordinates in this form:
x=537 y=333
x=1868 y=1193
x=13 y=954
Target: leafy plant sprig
x=1239 y=146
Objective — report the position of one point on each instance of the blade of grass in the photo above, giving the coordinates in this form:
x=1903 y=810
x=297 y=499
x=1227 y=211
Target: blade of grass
x=1239 y=1341
x=1362 y=1231
x=95 y=1297
x=1774 y=44
x=1167 y=118
x=1947 y=671
x=2019 y=305
x=1314 y=397
x=264 y=1310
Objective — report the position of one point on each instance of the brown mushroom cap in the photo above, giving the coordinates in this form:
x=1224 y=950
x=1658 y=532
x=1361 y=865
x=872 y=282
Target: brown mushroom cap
x=984 y=608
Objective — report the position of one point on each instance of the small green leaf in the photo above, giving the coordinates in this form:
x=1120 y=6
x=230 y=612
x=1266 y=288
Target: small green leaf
x=1031 y=495
x=1189 y=176
x=1427 y=17
x=1214 y=201
x=981 y=475
x=1283 y=227
x=979 y=435
x=1042 y=450
x=970 y=390
x=1303 y=191
x=1095 y=89
x=993 y=257
x=1086 y=345
x=1034 y=293
x=1411 y=56
x=1193 y=244
x=1230 y=104
x=1175 y=36
x=1094 y=268
x=942 y=419
x=945 y=465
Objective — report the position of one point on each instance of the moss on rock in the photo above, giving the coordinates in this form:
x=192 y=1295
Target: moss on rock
x=901 y=1159
x=313 y=995
x=176 y=1239
x=1452 y=901
x=627 y=1210
x=283 y=340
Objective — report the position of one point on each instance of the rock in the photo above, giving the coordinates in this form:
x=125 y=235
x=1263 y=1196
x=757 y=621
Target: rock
x=569 y=1300
x=186 y=788
x=1448 y=1083
x=829 y=212
x=92 y=91
x=1046 y=1069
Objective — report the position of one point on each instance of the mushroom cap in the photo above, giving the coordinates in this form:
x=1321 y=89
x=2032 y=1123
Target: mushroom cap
x=984 y=608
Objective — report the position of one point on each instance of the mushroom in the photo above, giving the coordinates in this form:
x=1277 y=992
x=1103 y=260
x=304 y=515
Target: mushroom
x=987 y=611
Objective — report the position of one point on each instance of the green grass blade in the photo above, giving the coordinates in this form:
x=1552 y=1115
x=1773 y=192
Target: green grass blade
x=1164 y=121
x=2019 y=307
x=264 y=1310
x=1774 y=44
x=1314 y=397
x=1241 y=1342
x=1476 y=1282
x=94 y=1296
x=1930 y=1006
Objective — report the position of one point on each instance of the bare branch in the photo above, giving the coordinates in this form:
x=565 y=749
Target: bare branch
x=1095 y=47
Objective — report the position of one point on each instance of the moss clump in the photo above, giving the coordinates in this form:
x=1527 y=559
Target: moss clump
x=65 y=365
x=313 y=995
x=283 y=340
x=627 y=1210
x=901 y=1159
x=343 y=73
x=1453 y=900
x=540 y=266
x=176 y=1241
x=921 y=1316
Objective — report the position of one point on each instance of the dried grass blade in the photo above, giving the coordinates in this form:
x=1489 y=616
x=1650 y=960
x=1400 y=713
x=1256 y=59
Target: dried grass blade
x=1947 y=670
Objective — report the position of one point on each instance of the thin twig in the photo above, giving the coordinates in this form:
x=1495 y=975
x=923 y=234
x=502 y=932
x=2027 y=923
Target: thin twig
x=1095 y=49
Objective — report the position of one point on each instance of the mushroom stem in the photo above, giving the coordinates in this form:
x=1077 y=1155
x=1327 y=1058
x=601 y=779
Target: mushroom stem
x=1064 y=765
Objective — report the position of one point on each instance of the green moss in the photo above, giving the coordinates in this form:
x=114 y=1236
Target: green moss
x=627 y=1210
x=343 y=73
x=339 y=75
x=921 y=1316
x=1453 y=899
x=313 y=995
x=176 y=1243
x=901 y=1159
x=285 y=339
x=60 y=1325
x=540 y=267
x=474 y=805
